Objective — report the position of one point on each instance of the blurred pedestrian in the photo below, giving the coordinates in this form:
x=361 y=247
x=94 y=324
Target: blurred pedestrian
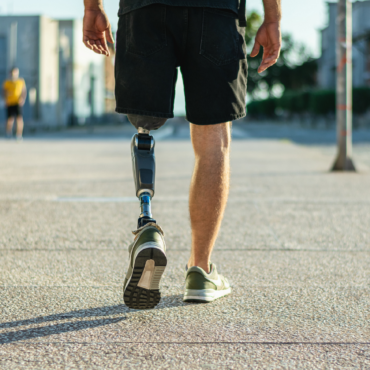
x=14 y=93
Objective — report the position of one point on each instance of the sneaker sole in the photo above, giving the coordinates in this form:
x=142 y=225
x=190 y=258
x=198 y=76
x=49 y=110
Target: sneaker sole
x=204 y=295
x=142 y=288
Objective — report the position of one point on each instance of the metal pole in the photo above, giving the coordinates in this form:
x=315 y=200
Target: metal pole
x=349 y=79
x=92 y=97
x=344 y=161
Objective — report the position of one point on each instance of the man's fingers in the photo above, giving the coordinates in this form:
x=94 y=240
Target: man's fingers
x=87 y=44
x=91 y=45
x=95 y=47
x=269 y=62
x=109 y=35
x=103 y=46
x=256 y=49
x=100 y=46
x=273 y=53
x=264 y=65
x=269 y=58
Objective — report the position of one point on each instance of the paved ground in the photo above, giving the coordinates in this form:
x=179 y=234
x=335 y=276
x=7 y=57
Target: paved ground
x=294 y=244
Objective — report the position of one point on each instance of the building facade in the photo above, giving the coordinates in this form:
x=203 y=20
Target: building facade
x=361 y=47
x=82 y=76
x=67 y=83
x=31 y=44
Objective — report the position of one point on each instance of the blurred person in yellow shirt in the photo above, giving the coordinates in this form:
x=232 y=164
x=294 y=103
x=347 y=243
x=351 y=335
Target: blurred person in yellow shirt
x=14 y=93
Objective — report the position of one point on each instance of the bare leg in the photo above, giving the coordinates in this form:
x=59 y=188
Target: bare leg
x=209 y=188
x=9 y=125
x=20 y=125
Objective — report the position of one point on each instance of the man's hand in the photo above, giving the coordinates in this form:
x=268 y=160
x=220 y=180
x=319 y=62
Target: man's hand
x=96 y=31
x=268 y=36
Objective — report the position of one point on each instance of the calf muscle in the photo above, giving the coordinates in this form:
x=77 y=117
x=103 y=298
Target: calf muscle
x=209 y=189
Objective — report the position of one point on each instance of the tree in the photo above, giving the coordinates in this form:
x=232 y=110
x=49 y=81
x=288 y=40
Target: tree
x=253 y=24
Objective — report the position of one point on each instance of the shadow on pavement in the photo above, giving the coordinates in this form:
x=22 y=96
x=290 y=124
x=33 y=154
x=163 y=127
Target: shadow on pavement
x=30 y=333
x=15 y=336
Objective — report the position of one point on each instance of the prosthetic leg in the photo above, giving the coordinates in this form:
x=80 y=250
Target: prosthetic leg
x=148 y=251
x=143 y=167
x=143 y=162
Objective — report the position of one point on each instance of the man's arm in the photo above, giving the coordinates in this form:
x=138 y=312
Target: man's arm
x=269 y=35
x=96 y=27
x=24 y=95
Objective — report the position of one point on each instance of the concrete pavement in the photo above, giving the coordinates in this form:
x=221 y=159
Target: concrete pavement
x=294 y=244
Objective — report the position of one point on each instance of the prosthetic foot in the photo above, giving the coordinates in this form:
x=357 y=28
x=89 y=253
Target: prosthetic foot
x=148 y=251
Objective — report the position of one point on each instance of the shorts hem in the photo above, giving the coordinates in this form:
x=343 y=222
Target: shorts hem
x=202 y=121
x=144 y=113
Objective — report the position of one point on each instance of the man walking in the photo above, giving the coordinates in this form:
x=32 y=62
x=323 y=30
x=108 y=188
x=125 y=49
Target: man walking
x=205 y=38
x=15 y=93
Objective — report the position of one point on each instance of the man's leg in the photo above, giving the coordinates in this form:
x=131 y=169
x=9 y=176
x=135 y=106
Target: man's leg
x=148 y=251
x=20 y=125
x=9 y=126
x=209 y=188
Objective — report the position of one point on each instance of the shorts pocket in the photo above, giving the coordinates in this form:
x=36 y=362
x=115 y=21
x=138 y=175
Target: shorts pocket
x=222 y=38
x=146 y=30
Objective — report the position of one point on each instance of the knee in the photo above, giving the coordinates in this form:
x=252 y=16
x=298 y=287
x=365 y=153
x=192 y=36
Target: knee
x=146 y=122
x=211 y=140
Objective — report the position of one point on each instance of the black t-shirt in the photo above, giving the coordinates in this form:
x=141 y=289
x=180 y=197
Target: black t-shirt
x=127 y=6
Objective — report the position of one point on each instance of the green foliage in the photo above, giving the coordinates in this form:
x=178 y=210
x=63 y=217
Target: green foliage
x=361 y=100
x=293 y=76
x=296 y=71
x=322 y=102
x=262 y=108
x=295 y=101
x=317 y=102
x=253 y=24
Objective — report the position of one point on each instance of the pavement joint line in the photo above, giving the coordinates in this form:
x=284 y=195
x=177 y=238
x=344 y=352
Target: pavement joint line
x=188 y=250
x=61 y=286
x=363 y=286
x=198 y=343
x=181 y=198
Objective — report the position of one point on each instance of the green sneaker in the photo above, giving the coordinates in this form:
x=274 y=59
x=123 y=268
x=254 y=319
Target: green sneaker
x=147 y=263
x=203 y=287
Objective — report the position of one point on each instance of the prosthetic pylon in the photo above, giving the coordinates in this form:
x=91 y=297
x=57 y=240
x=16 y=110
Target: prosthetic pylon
x=143 y=167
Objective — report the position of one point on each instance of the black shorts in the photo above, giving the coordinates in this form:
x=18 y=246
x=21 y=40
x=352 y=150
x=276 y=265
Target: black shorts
x=14 y=111
x=207 y=44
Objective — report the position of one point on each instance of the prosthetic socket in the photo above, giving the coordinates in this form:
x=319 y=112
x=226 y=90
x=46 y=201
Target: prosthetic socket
x=143 y=166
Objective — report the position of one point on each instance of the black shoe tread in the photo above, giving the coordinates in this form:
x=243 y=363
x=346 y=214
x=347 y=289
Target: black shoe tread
x=137 y=297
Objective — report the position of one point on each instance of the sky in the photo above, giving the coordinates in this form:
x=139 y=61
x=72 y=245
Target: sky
x=301 y=18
